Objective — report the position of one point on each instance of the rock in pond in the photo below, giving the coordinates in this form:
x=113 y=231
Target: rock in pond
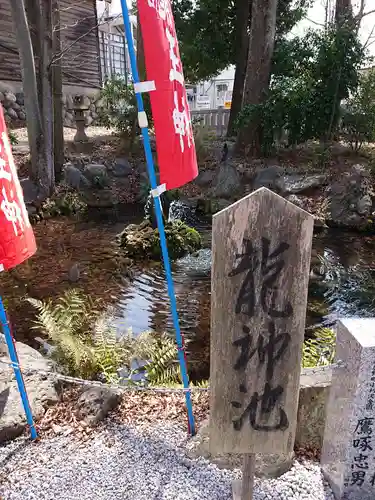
x=41 y=390
x=142 y=241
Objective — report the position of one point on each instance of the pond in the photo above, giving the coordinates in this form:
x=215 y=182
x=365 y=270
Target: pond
x=344 y=286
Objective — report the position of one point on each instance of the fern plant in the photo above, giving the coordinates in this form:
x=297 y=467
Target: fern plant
x=320 y=350
x=160 y=354
x=87 y=345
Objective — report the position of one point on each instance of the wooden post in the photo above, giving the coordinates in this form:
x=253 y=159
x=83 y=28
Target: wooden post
x=261 y=249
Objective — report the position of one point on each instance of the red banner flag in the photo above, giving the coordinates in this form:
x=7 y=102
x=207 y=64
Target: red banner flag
x=174 y=134
x=17 y=242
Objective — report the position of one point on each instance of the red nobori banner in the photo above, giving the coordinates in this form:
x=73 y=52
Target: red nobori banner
x=174 y=134
x=17 y=242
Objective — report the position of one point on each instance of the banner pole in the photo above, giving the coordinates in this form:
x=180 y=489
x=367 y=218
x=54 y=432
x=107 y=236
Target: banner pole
x=159 y=215
x=17 y=370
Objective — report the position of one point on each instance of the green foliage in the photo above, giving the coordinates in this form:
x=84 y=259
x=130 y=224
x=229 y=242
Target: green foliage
x=358 y=123
x=12 y=138
x=207 y=33
x=120 y=107
x=320 y=350
x=161 y=353
x=306 y=89
x=86 y=345
x=142 y=242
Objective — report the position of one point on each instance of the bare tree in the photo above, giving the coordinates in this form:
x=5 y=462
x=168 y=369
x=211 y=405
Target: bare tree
x=262 y=41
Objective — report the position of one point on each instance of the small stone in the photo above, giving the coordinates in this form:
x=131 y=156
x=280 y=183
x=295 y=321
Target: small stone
x=20 y=99
x=364 y=205
x=9 y=99
x=122 y=168
x=12 y=114
x=95 y=403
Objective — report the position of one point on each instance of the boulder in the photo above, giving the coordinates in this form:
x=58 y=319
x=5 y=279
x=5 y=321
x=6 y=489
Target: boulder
x=351 y=200
x=74 y=178
x=9 y=99
x=41 y=390
x=300 y=183
x=12 y=114
x=205 y=178
x=30 y=190
x=97 y=174
x=266 y=465
x=270 y=177
x=1 y=97
x=100 y=198
x=20 y=98
x=226 y=182
x=95 y=403
x=122 y=168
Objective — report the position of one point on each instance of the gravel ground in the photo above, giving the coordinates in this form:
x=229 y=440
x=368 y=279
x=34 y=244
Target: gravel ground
x=121 y=462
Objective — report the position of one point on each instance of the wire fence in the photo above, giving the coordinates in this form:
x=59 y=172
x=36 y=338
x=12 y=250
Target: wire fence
x=133 y=387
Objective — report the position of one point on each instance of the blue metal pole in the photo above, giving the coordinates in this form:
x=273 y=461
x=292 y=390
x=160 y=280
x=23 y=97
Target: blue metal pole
x=160 y=222
x=17 y=370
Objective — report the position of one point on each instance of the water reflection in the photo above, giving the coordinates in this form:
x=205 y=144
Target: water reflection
x=346 y=289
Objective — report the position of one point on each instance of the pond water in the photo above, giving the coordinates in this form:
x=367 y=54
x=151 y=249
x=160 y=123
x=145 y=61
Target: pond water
x=344 y=286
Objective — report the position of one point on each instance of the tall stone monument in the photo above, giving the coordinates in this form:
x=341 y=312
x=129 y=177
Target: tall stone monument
x=260 y=272
x=348 y=455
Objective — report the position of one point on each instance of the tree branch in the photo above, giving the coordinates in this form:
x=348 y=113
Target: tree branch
x=370 y=37
x=368 y=13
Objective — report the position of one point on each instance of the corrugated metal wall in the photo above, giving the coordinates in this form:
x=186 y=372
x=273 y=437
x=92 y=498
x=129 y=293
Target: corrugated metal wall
x=79 y=34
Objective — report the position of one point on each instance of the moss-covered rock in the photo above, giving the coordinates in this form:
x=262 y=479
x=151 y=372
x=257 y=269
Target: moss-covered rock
x=141 y=241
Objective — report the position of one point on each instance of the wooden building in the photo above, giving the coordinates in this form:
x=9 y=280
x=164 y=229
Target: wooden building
x=79 y=38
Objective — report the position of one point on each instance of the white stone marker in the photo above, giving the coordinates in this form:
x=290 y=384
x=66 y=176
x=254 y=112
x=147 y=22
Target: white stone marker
x=260 y=272
x=348 y=455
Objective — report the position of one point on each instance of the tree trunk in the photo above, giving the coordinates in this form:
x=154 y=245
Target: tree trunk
x=344 y=12
x=262 y=41
x=30 y=90
x=243 y=22
x=47 y=178
x=58 y=126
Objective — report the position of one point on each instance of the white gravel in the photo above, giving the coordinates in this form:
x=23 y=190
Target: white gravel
x=120 y=462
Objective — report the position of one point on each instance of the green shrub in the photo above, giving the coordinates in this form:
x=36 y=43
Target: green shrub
x=119 y=110
x=358 y=123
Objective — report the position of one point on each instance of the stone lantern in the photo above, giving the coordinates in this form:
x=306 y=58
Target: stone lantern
x=79 y=107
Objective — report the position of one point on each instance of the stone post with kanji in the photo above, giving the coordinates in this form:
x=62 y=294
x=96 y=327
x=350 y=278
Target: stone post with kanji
x=261 y=249
x=348 y=454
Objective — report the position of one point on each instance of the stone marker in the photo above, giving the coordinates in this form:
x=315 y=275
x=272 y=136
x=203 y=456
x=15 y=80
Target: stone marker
x=348 y=455
x=261 y=249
